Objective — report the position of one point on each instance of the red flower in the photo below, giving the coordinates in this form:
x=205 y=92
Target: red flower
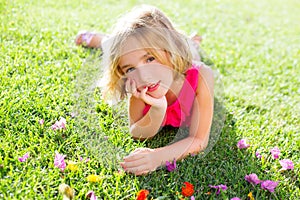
x=142 y=194
x=187 y=190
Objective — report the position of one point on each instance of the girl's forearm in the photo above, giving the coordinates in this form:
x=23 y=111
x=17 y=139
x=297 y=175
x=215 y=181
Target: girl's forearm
x=149 y=125
x=181 y=149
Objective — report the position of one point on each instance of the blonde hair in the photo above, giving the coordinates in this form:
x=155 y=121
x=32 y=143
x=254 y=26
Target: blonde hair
x=152 y=31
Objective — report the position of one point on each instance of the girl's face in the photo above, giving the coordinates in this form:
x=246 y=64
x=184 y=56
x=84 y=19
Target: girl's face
x=147 y=71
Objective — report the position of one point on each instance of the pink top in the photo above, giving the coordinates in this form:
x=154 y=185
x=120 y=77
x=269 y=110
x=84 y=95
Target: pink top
x=178 y=113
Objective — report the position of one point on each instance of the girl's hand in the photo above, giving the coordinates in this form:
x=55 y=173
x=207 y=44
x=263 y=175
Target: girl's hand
x=131 y=87
x=141 y=161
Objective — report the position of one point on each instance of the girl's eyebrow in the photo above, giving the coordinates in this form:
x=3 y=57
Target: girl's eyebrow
x=125 y=66
x=128 y=65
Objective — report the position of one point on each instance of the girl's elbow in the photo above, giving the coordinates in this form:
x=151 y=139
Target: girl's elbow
x=204 y=145
x=200 y=144
x=138 y=134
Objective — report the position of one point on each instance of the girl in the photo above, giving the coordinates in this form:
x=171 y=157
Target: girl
x=152 y=62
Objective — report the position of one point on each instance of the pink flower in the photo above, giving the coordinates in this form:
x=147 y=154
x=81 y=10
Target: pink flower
x=61 y=124
x=171 y=166
x=275 y=152
x=235 y=198
x=286 y=164
x=59 y=161
x=91 y=195
x=192 y=198
x=257 y=154
x=24 y=158
x=219 y=187
x=253 y=179
x=242 y=144
x=41 y=121
x=86 y=160
x=269 y=185
x=73 y=114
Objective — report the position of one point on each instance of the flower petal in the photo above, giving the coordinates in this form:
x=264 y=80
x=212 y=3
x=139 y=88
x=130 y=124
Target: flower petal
x=257 y=154
x=269 y=185
x=275 y=152
x=61 y=124
x=142 y=194
x=187 y=190
x=253 y=179
x=24 y=157
x=242 y=144
x=93 y=178
x=59 y=161
x=91 y=195
x=219 y=188
x=171 y=166
x=250 y=196
x=286 y=164
x=41 y=121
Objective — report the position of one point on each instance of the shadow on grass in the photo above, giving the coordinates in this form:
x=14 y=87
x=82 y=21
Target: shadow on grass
x=169 y=134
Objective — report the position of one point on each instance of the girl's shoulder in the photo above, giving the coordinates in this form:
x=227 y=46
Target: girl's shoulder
x=205 y=74
x=194 y=71
x=202 y=68
x=198 y=65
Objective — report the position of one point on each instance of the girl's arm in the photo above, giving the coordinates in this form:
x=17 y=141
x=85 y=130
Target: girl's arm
x=202 y=115
x=142 y=127
x=143 y=160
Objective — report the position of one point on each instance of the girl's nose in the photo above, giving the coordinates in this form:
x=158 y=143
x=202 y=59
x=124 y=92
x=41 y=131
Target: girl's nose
x=140 y=75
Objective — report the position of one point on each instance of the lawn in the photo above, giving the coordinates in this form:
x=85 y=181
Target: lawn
x=254 y=46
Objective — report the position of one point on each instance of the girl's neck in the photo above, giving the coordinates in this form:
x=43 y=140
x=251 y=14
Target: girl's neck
x=174 y=90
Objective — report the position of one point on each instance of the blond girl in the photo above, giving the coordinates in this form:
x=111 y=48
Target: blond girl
x=149 y=61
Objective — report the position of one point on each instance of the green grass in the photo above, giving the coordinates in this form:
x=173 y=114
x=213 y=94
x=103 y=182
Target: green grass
x=43 y=75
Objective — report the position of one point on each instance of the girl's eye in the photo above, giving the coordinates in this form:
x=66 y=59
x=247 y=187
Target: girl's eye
x=130 y=69
x=150 y=59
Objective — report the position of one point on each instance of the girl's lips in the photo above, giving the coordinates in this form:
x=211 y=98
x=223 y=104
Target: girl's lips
x=153 y=87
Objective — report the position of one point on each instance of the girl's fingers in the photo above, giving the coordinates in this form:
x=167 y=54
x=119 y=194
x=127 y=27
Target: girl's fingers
x=132 y=157
x=127 y=85
x=133 y=86
x=137 y=150
x=130 y=86
x=143 y=94
x=138 y=170
x=138 y=153
x=142 y=172
x=133 y=164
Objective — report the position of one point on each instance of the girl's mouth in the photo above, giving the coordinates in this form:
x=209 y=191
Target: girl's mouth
x=153 y=86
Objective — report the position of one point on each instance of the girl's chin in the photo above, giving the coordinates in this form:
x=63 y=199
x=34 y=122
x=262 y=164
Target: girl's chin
x=157 y=94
